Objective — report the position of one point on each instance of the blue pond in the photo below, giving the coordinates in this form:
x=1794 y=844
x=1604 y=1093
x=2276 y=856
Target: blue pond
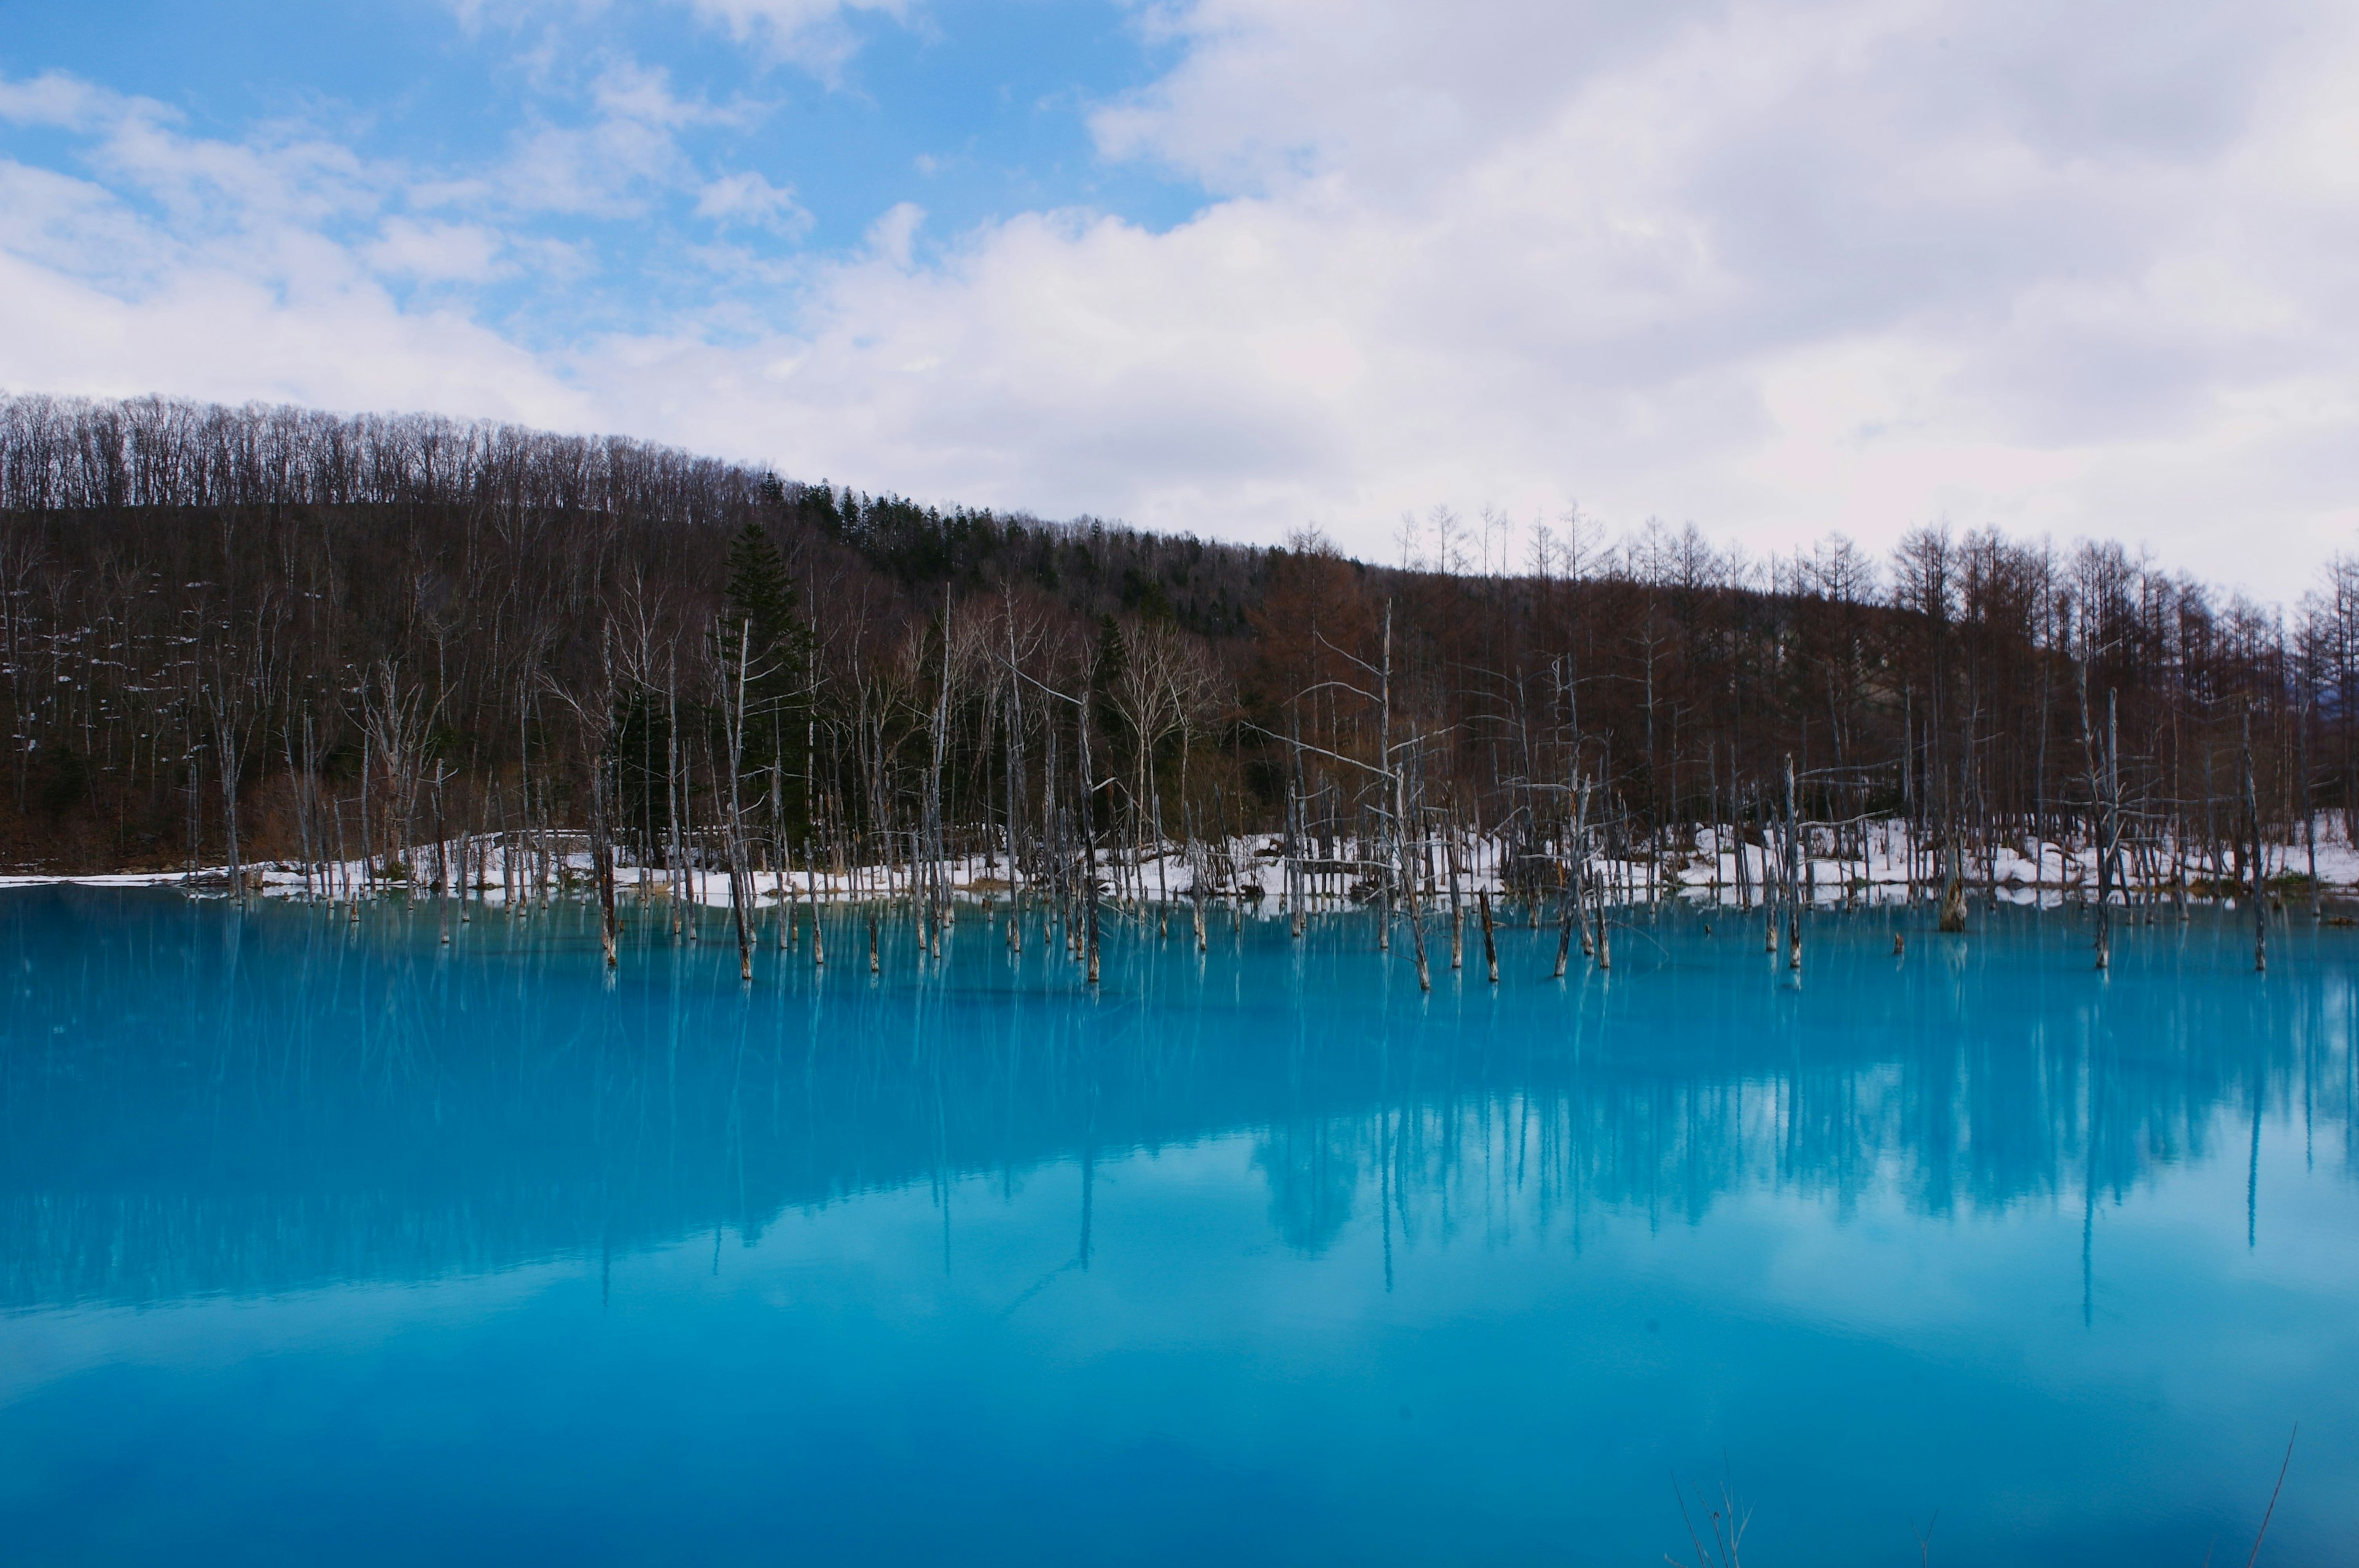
x=329 y=1242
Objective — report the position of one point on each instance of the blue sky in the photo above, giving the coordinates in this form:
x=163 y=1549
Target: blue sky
x=978 y=107
x=1778 y=267
x=973 y=111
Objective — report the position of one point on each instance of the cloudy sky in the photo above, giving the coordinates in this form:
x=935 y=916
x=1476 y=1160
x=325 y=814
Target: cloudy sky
x=1238 y=266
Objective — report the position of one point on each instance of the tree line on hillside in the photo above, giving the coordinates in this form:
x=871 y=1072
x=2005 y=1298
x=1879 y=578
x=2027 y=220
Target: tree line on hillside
x=239 y=633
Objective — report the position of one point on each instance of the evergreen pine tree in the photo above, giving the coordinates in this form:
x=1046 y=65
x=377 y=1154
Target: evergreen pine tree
x=760 y=591
x=765 y=609
x=1111 y=656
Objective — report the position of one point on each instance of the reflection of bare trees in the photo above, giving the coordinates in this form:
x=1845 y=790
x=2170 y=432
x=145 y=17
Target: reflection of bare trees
x=1314 y=1171
x=323 y=1107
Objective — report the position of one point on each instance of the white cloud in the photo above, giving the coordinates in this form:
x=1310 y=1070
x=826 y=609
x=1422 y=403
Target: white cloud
x=438 y=252
x=610 y=163
x=213 y=334
x=602 y=170
x=55 y=99
x=71 y=226
x=812 y=34
x=893 y=238
x=628 y=90
x=745 y=198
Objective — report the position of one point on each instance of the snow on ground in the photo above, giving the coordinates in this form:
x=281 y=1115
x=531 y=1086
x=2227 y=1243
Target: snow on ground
x=1876 y=861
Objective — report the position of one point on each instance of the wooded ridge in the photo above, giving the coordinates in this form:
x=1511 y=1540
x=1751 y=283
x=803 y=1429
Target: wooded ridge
x=236 y=634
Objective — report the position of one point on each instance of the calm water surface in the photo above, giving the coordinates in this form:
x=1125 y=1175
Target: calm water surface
x=331 y=1243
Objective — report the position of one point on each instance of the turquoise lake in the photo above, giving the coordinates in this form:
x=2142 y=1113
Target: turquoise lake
x=325 y=1242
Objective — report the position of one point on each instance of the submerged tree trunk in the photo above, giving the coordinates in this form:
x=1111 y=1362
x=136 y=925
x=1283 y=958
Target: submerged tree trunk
x=2258 y=858
x=1953 y=887
x=2100 y=803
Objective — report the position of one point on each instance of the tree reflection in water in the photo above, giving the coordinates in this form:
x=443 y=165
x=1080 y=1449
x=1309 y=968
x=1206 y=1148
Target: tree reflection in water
x=198 y=1101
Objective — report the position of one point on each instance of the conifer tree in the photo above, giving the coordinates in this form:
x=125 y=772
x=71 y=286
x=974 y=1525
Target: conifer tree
x=764 y=607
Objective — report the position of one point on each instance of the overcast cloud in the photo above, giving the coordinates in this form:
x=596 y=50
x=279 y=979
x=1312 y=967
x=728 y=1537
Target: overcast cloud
x=1776 y=269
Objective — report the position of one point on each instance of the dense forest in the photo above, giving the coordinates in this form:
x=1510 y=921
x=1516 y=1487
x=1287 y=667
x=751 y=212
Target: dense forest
x=236 y=634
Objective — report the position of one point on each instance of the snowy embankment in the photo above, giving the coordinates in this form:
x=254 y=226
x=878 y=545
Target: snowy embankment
x=1876 y=862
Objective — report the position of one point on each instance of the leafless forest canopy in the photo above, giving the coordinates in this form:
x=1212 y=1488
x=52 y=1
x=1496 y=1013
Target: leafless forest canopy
x=247 y=633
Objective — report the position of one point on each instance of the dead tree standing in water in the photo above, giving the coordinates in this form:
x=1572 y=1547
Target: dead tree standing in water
x=2258 y=855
